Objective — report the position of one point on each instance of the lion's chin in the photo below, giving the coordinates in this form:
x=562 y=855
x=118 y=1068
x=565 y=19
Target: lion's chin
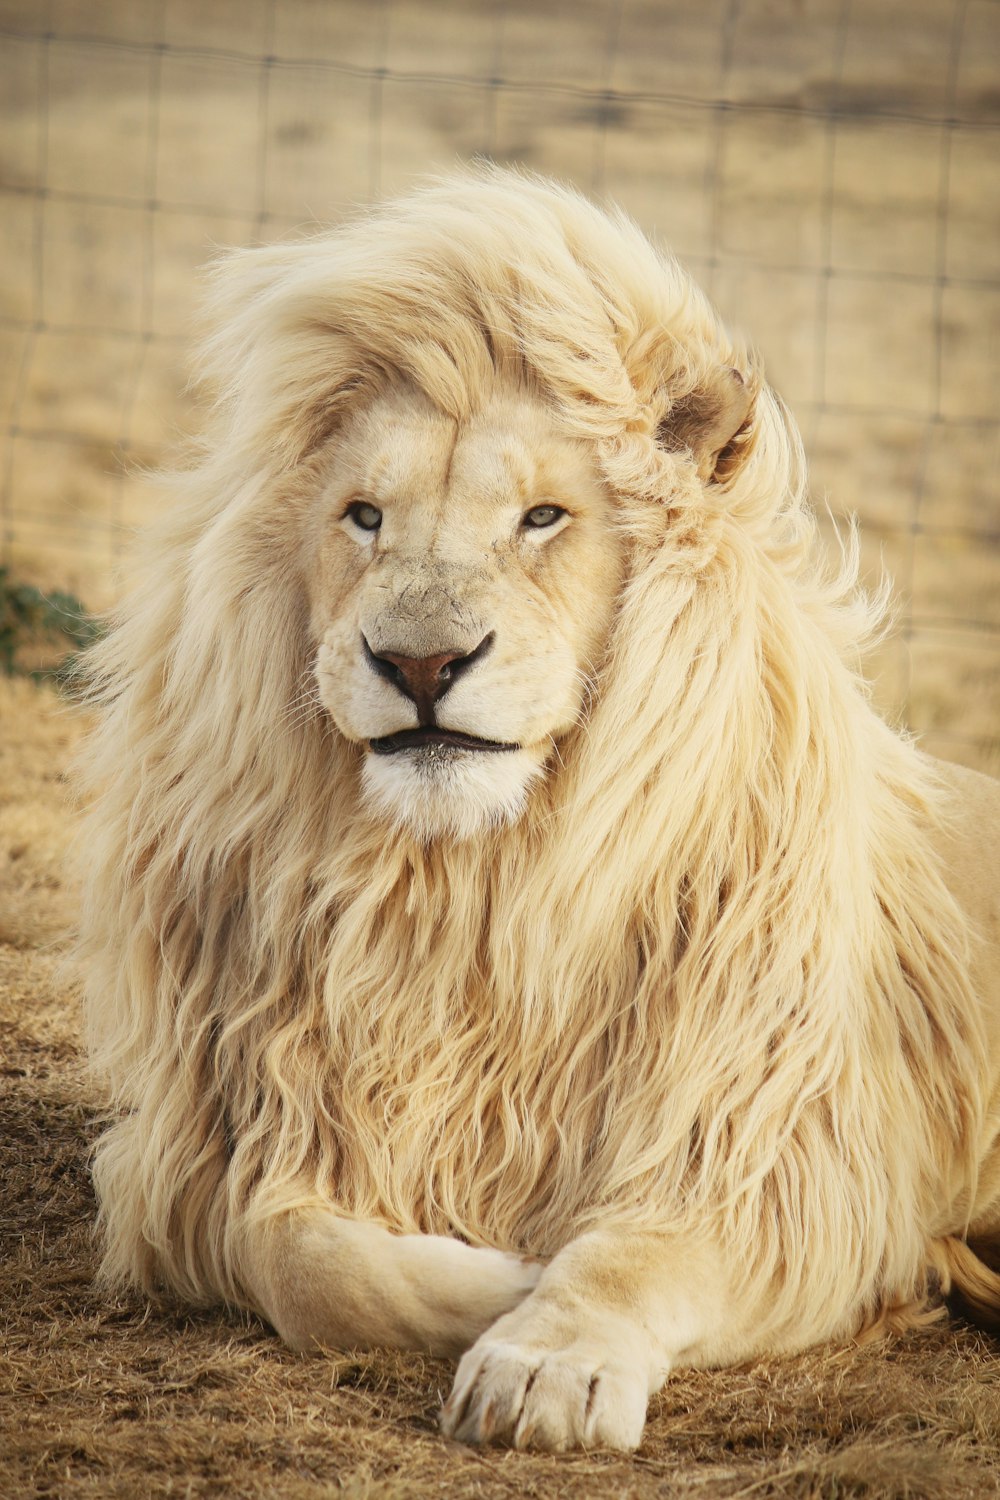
x=457 y=794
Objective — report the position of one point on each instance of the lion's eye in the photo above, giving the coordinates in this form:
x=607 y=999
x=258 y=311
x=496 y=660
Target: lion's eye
x=368 y=517
x=542 y=515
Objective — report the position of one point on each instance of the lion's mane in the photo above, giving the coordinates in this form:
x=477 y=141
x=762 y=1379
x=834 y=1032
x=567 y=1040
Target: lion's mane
x=710 y=978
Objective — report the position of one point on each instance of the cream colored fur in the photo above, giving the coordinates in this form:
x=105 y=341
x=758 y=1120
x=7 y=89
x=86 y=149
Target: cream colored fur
x=670 y=1036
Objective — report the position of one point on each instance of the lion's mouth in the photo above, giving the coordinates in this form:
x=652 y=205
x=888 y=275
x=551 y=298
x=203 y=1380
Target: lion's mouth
x=432 y=738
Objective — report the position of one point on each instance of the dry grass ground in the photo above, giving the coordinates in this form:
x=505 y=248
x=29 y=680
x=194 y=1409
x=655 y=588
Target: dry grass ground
x=108 y=1398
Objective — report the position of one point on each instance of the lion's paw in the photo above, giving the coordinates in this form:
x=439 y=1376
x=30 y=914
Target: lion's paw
x=582 y=1395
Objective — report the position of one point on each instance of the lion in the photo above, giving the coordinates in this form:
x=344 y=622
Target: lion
x=510 y=931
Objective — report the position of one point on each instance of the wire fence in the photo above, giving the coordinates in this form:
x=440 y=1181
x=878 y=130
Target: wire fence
x=827 y=168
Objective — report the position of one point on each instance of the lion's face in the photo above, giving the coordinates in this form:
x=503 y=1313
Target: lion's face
x=462 y=580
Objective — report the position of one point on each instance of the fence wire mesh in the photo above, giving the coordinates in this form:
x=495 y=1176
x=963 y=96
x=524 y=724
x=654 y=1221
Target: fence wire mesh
x=827 y=168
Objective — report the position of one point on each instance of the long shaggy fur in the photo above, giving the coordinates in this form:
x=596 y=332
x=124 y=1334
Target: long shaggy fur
x=711 y=975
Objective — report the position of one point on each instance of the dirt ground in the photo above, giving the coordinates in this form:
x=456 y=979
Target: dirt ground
x=110 y=1398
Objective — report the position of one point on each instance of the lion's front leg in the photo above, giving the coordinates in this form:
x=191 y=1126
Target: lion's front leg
x=325 y=1281
x=575 y=1364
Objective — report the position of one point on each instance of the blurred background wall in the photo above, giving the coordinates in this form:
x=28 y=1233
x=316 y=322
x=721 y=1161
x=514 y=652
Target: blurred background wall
x=829 y=169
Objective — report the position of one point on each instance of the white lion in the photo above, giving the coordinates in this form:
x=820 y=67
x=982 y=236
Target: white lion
x=510 y=929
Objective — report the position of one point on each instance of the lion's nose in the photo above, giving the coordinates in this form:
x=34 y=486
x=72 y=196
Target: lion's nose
x=424 y=679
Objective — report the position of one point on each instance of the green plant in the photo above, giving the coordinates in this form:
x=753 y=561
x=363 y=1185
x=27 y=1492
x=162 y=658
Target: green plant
x=30 y=617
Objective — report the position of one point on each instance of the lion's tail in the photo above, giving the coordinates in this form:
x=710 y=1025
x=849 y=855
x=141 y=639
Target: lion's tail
x=974 y=1287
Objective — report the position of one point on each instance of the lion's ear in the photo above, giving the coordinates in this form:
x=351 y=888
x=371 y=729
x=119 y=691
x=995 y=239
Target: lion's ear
x=706 y=421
